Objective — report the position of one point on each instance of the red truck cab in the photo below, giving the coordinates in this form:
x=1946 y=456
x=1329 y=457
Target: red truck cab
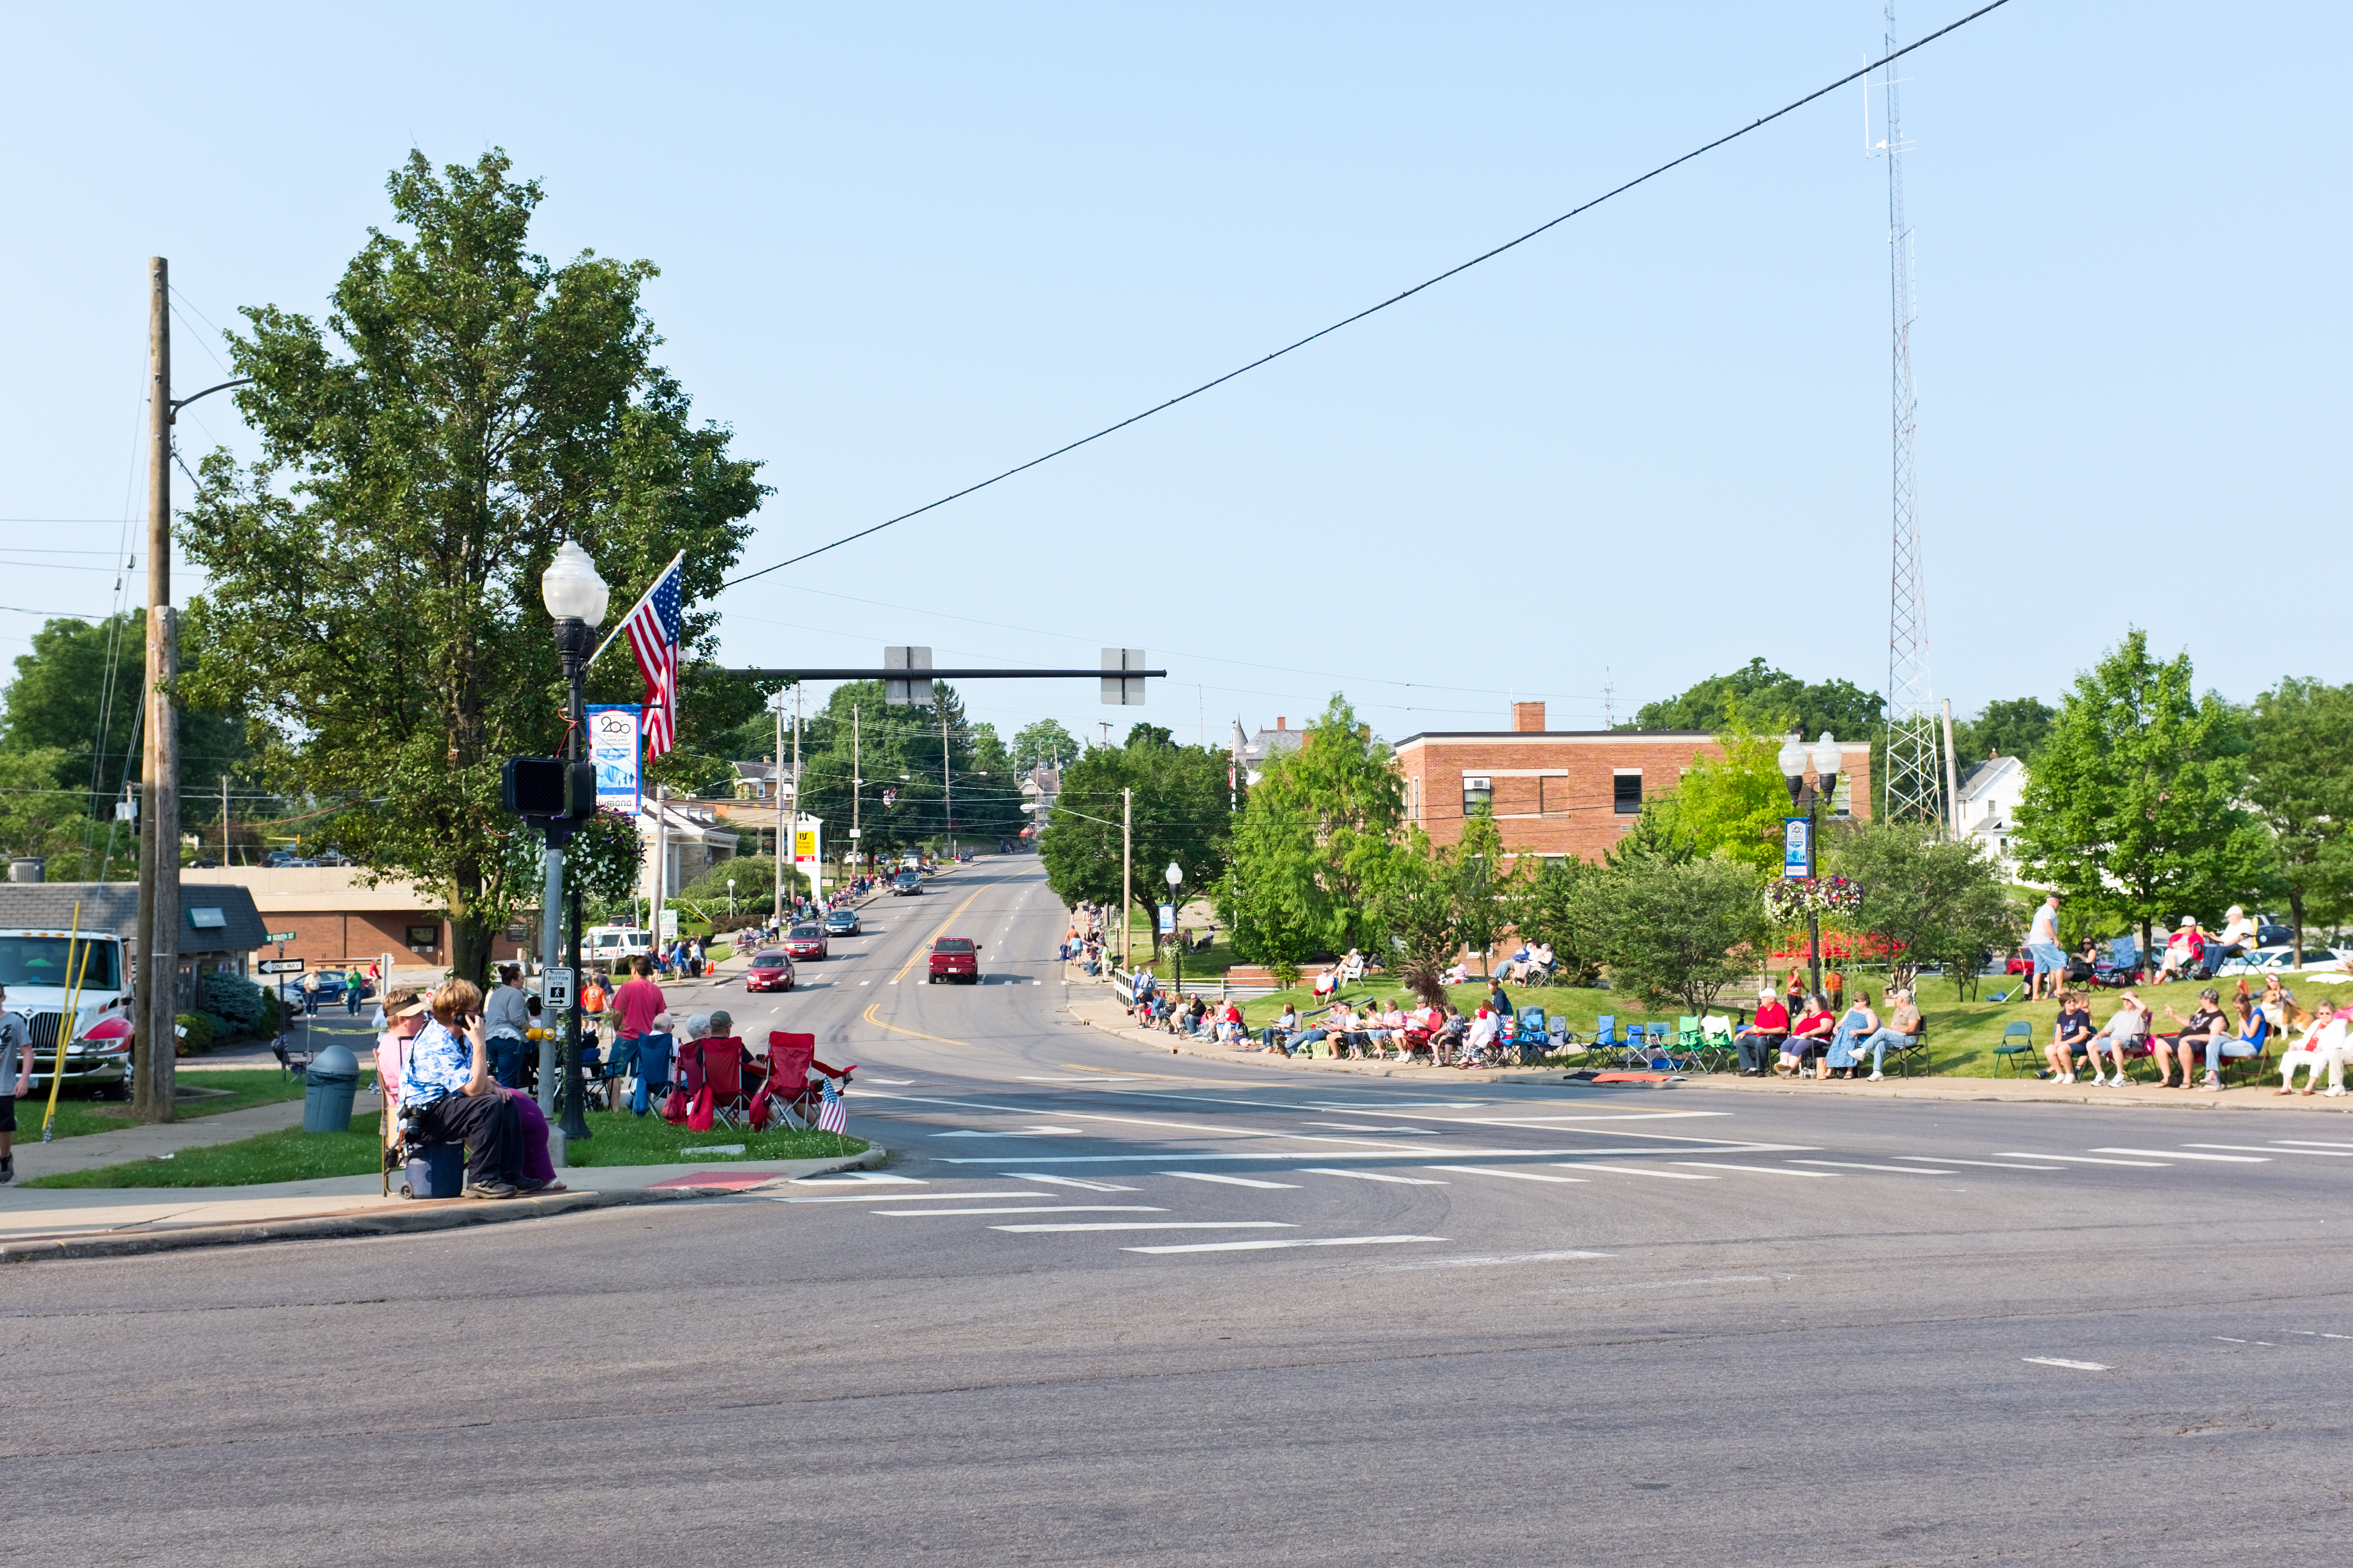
x=956 y=958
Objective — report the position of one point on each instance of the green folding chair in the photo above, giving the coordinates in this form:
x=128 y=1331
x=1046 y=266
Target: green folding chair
x=2016 y=1040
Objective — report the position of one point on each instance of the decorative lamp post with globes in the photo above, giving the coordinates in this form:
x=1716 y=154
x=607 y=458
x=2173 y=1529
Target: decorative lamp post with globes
x=1176 y=874
x=577 y=597
x=1799 y=856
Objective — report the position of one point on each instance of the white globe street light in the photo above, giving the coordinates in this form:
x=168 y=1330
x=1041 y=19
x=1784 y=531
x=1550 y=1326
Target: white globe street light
x=1176 y=874
x=571 y=589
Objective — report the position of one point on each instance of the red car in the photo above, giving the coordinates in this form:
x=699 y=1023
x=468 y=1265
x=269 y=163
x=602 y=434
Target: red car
x=805 y=941
x=956 y=958
x=769 y=972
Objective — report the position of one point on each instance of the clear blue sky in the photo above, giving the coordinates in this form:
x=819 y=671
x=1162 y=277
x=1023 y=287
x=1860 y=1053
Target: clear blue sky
x=903 y=247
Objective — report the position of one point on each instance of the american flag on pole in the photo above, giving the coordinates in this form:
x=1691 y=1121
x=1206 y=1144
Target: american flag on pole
x=833 y=1115
x=653 y=629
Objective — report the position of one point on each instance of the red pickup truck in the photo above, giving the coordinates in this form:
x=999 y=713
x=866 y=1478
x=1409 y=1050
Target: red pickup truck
x=956 y=958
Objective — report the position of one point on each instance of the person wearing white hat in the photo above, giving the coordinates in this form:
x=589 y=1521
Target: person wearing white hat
x=2182 y=953
x=2238 y=933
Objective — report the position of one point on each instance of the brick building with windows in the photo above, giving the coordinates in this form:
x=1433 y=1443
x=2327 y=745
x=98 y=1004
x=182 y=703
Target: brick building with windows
x=1566 y=792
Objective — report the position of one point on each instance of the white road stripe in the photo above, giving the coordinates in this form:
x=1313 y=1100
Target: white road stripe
x=1232 y=1180
x=1066 y=1181
x=1387 y=1152
x=843 y=1181
x=1269 y=1246
x=1016 y=1133
x=2081 y=1159
x=2310 y=1142
x=1078 y=1078
x=1857 y=1165
x=1160 y=1224
x=1491 y=1261
x=1373 y=1176
x=1988 y=1164
x=2055 y=1361
x=2178 y=1154
x=1030 y=1208
x=1637 y=1171
x=1759 y=1169
x=2265 y=1149
x=903 y=1197
x=1498 y=1171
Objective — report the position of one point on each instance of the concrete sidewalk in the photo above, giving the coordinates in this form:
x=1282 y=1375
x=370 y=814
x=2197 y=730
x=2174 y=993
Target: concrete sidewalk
x=1100 y=1009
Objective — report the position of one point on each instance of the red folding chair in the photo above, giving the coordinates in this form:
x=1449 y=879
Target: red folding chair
x=790 y=1056
x=722 y=1062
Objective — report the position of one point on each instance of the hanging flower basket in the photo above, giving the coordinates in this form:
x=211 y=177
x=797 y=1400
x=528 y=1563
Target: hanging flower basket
x=1791 y=900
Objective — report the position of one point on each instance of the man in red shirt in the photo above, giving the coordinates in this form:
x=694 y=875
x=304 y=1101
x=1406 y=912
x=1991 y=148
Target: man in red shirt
x=636 y=1005
x=1760 y=1042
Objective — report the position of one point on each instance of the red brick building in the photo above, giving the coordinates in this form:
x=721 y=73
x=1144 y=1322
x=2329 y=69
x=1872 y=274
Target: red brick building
x=1566 y=792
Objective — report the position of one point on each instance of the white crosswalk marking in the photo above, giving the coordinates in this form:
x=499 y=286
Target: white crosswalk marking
x=2080 y=1159
x=1638 y=1171
x=1987 y=1164
x=1160 y=1224
x=1857 y=1165
x=1067 y=1182
x=2055 y=1361
x=1498 y=1171
x=2178 y=1154
x=2311 y=1142
x=1760 y=1170
x=2264 y=1148
x=1029 y=1209
x=887 y=1197
x=1373 y=1176
x=1269 y=1246
x=1232 y=1180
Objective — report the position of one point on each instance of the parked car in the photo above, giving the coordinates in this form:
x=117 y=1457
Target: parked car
x=842 y=922
x=2265 y=959
x=907 y=882
x=956 y=958
x=334 y=857
x=805 y=941
x=769 y=971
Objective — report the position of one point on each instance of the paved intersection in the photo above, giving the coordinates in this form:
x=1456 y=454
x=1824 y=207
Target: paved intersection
x=1109 y=1307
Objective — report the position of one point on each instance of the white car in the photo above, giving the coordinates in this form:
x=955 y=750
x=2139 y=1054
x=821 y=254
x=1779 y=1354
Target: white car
x=2281 y=960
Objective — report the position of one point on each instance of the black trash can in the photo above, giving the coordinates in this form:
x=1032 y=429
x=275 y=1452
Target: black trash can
x=328 y=1088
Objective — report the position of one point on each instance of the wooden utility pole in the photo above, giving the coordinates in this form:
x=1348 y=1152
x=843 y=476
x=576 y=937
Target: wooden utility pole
x=155 y=1035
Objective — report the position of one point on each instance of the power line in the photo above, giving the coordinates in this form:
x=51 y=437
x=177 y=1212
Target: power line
x=1373 y=309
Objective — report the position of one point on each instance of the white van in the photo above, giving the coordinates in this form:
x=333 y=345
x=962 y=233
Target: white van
x=610 y=947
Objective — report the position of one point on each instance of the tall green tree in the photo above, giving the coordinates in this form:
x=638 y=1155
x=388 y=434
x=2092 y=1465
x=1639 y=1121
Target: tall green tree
x=1544 y=910
x=38 y=815
x=2300 y=781
x=1926 y=898
x=1734 y=806
x=1673 y=929
x=924 y=779
x=374 y=579
x=1765 y=701
x=1180 y=817
x=1419 y=908
x=2015 y=727
x=2132 y=803
x=1043 y=743
x=1317 y=841
x=1484 y=889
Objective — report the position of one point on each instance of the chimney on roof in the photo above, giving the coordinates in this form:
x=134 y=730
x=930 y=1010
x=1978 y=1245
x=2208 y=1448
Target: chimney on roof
x=1528 y=717
x=1281 y=723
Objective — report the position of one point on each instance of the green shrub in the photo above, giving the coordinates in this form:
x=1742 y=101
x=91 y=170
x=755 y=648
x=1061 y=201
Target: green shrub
x=273 y=1015
x=196 y=1037
x=235 y=1001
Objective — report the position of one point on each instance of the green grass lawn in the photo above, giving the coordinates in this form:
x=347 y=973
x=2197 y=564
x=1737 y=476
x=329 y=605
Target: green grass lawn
x=1961 y=1035
x=79 y=1115
x=294 y=1156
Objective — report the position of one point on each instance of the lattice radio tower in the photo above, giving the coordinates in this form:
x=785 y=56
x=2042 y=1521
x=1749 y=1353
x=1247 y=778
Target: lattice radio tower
x=1913 y=783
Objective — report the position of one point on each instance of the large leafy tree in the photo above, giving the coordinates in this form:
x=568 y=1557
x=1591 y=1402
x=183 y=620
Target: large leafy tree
x=2300 y=781
x=2132 y=804
x=374 y=595
x=1179 y=816
x=1544 y=910
x=2015 y=727
x=1419 y=909
x=1045 y=742
x=1929 y=899
x=1671 y=928
x=36 y=816
x=1765 y=700
x=923 y=779
x=1484 y=889
x=1316 y=843
x=1734 y=806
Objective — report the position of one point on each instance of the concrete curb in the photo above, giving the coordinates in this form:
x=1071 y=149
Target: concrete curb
x=435 y=1214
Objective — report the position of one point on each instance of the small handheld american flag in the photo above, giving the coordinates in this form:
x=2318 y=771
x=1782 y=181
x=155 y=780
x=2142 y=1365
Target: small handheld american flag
x=653 y=630
x=833 y=1115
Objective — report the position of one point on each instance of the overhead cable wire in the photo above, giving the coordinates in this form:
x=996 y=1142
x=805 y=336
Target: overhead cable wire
x=1396 y=299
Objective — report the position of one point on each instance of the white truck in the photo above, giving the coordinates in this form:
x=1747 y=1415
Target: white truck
x=609 y=947
x=33 y=966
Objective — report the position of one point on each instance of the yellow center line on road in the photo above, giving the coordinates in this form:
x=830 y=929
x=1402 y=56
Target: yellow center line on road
x=921 y=951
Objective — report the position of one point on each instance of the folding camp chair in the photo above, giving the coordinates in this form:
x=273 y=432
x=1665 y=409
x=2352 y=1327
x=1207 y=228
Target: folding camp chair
x=1901 y=1055
x=2016 y=1040
x=1717 y=1043
x=1605 y=1032
x=788 y=1087
x=722 y=1075
x=2257 y=1050
x=1691 y=1044
x=1534 y=1040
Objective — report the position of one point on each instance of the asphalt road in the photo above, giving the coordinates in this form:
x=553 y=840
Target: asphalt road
x=1112 y=1307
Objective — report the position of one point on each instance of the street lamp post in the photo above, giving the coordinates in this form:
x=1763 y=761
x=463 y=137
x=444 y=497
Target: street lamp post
x=1176 y=874
x=1824 y=755
x=577 y=597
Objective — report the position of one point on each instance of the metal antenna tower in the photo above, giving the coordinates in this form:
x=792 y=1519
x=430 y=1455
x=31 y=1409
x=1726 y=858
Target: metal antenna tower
x=1913 y=786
